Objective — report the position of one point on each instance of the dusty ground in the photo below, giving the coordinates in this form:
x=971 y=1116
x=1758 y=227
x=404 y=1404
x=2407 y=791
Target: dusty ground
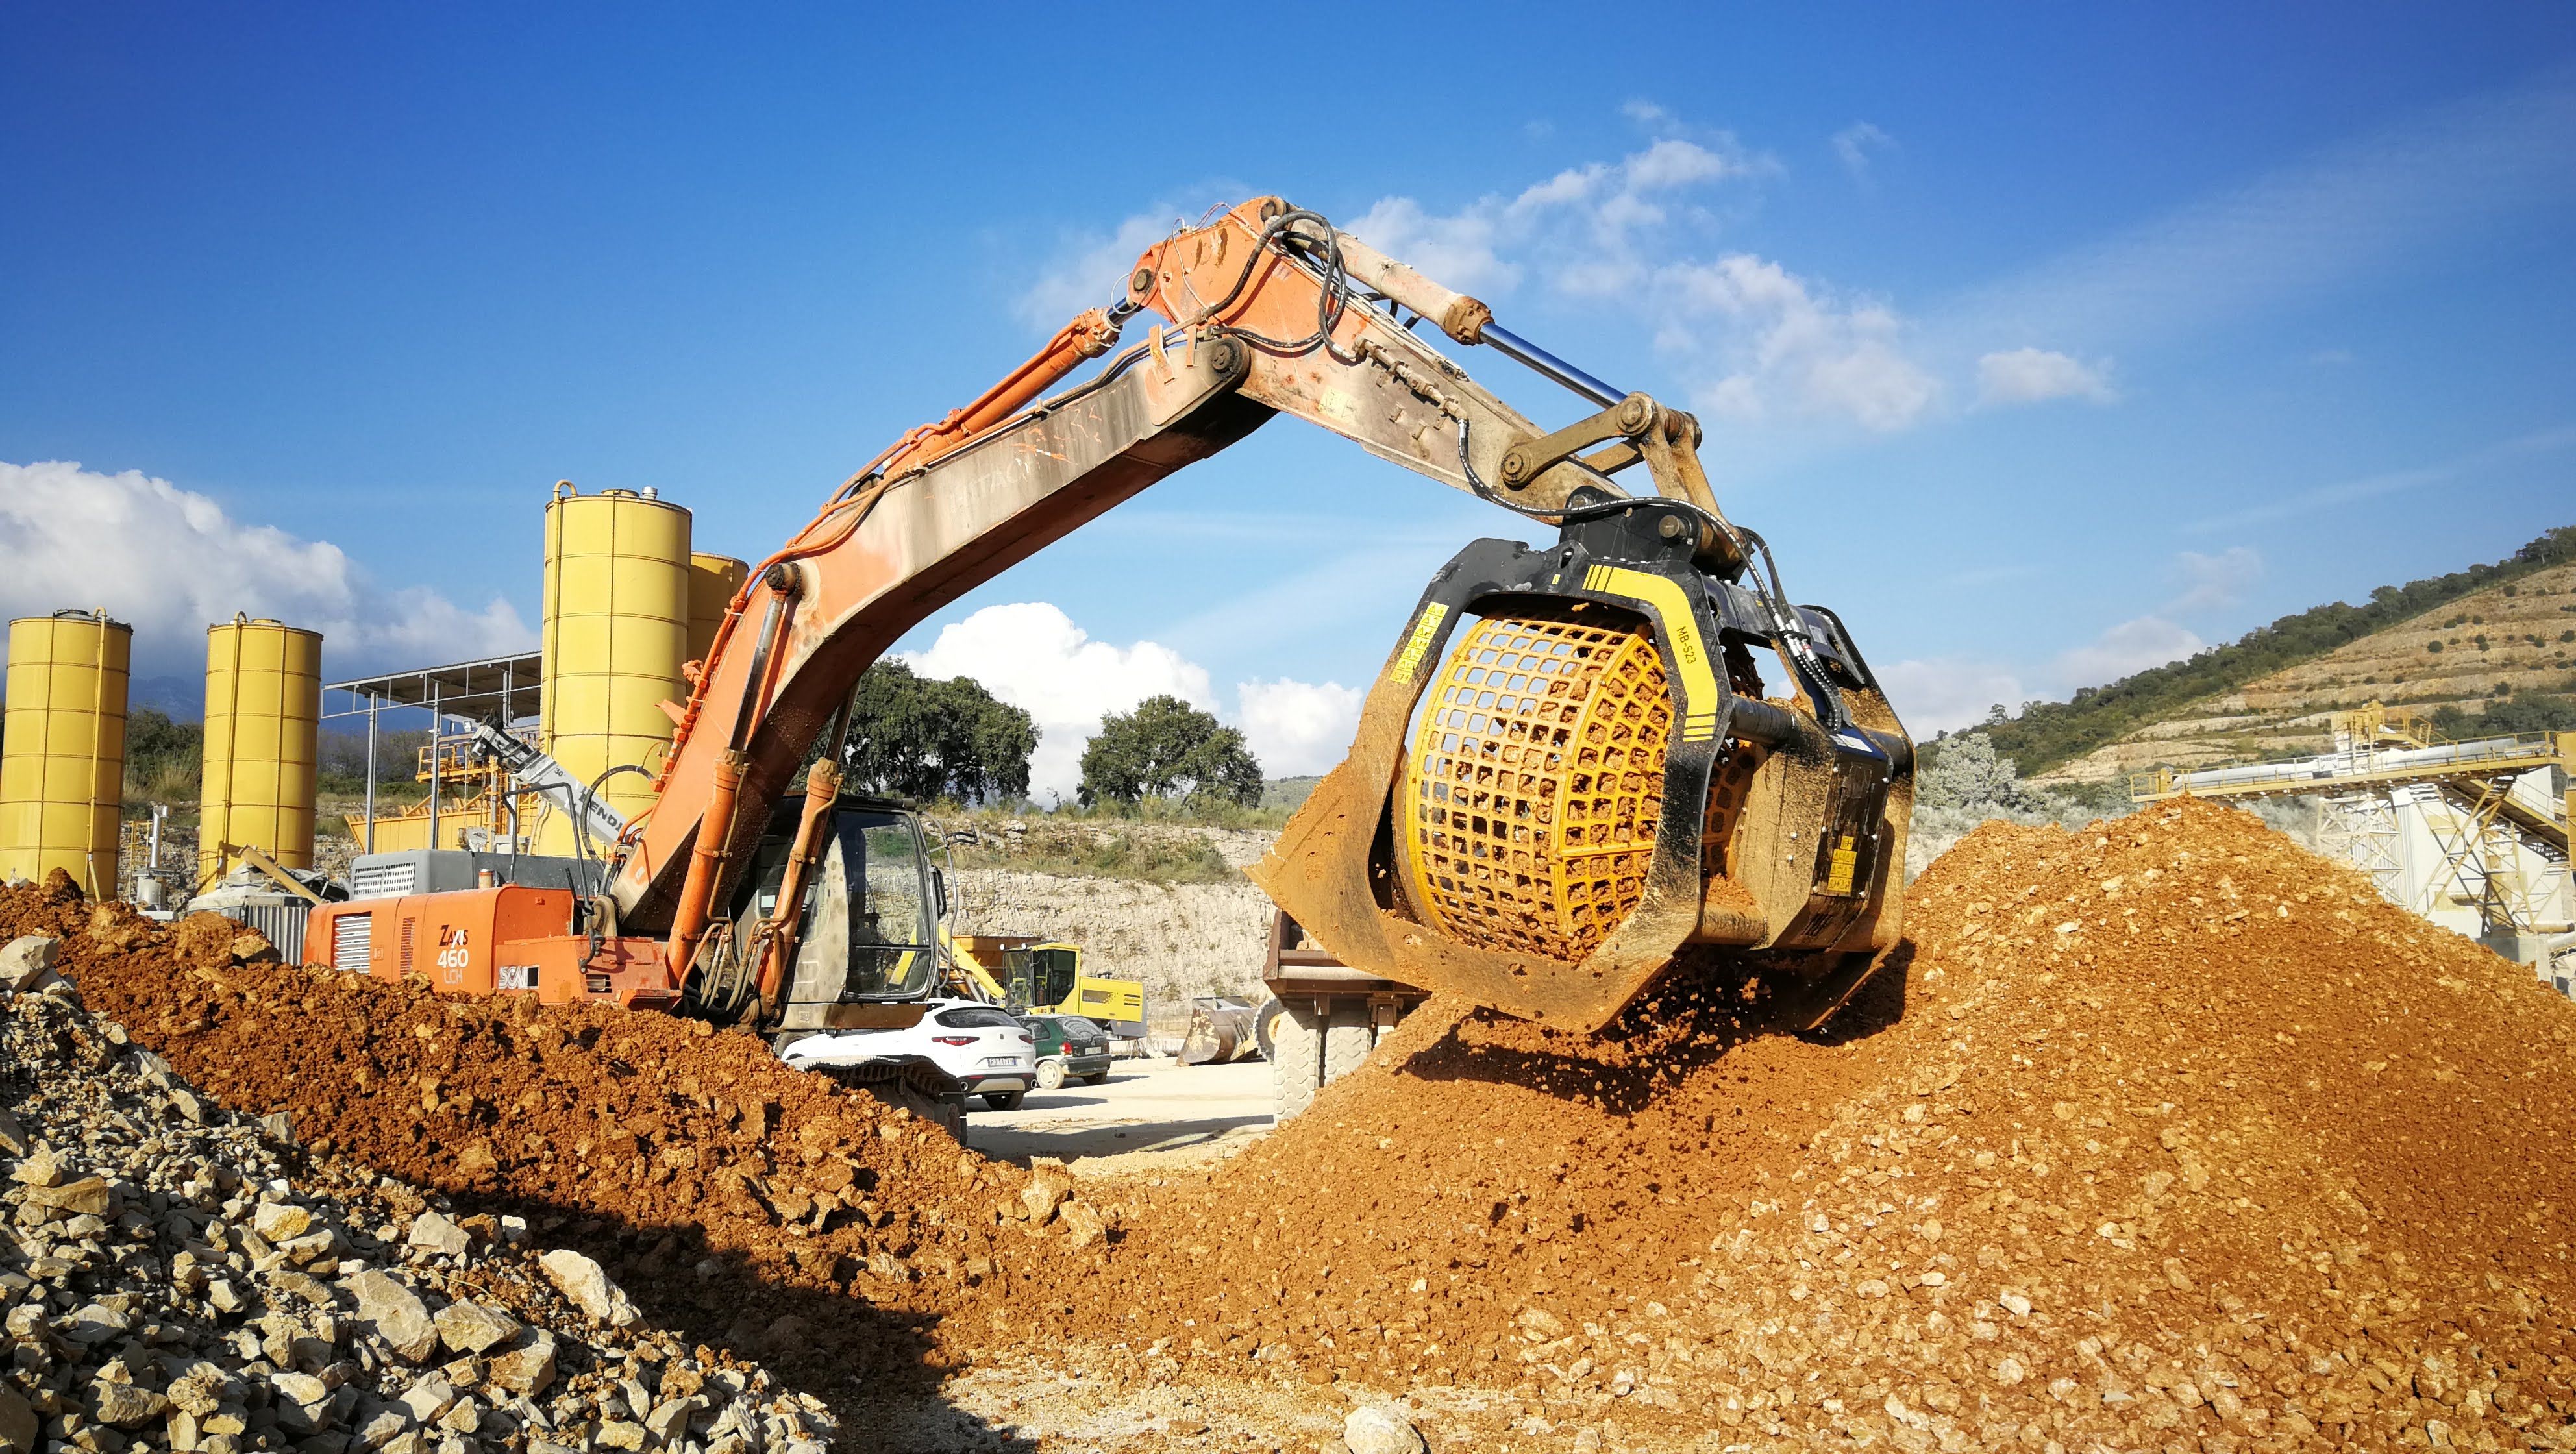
x=1151 y=1115
x=2172 y=1136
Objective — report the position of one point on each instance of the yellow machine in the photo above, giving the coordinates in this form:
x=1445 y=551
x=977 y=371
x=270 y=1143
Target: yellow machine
x=478 y=808
x=1026 y=976
x=1610 y=748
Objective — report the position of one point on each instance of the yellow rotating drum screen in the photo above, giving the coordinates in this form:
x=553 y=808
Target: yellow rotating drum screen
x=1530 y=798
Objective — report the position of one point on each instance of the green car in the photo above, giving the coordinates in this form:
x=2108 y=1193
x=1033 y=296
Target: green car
x=1069 y=1047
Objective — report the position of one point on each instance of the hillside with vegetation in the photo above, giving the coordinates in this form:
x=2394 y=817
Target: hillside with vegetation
x=2493 y=638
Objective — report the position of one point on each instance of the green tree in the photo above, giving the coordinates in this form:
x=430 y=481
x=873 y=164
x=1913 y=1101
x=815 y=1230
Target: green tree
x=2527 y=712
x=1168 y=749
x=163 y=758
x=911 y=737
x=1964 y=772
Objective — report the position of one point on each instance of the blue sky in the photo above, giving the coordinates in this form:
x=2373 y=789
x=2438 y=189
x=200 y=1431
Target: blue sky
x=2043 y=342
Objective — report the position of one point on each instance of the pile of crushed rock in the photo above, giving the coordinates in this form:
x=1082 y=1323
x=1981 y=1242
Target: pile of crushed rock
x=2164 y=1134
x=2167 y=1134
x=178 y=1276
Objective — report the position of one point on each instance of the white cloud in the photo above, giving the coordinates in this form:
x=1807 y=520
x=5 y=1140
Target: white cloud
x=1753 y=339
x=1948 y=693
x=1585 y=229
x=1855 y=143
x=2217 y=580
x=1945 y=694
x=1794 y=345
x=1297 y=728
x=2033 y=375
x=1031 y=655
x=1459 y=250
x=1976 y=577
x=2125 y=649
x=1761 y=340
x=1090 y=271
x=171 y=562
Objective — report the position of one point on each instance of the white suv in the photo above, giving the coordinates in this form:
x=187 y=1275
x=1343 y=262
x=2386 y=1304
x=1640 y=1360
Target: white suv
x=984 y=1047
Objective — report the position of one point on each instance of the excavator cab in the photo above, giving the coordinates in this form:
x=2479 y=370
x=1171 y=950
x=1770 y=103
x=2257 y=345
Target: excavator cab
x=869 y=934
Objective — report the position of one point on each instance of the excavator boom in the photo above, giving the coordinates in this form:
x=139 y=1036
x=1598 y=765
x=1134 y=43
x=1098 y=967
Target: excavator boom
x=1544 y=838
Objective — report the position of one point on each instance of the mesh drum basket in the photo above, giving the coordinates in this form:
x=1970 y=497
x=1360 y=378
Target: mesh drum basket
x=1529 y=803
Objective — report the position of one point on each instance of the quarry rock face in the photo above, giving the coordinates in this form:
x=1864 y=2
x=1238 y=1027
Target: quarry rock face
x=1179 y=939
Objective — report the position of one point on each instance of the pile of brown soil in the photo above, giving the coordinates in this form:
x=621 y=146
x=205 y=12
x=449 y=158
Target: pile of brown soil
x=729 y=1191
x=2161 y=1133
x=2166 y=1133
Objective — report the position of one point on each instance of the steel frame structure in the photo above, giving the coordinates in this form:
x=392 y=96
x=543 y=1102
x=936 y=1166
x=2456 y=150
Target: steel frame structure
x=502 y=687
x=2388 y=768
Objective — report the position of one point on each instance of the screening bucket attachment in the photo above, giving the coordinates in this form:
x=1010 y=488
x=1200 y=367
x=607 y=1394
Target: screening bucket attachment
x=1594 y=781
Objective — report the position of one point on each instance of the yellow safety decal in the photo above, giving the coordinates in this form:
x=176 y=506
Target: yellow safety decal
x=1419 y=643
x=1846 y=861
x=1681 y=629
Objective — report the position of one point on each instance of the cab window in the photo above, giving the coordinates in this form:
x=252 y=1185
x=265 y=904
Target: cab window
x=1055 y=973
x=890 y=921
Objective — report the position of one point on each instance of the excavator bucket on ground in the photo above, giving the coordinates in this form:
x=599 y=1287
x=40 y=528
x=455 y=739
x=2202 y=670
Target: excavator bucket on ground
x=1571 y=775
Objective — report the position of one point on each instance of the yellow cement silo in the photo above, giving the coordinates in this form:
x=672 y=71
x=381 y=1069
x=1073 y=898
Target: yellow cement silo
x=712 y=581
x=263 y=744
x=616 y=630
x=62 y=747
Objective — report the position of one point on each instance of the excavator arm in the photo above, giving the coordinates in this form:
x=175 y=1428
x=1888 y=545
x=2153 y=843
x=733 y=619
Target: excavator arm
x=1265 y=310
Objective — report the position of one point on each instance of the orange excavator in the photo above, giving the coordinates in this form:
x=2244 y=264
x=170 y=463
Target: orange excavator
x=1585 y=760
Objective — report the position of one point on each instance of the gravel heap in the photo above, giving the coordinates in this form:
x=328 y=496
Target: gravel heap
x=2174 y=1137
x=744 y=1204
x=178 y=1276
x=2165 y=1134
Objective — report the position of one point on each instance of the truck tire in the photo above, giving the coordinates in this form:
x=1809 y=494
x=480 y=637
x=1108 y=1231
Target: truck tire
x=1297 y=1063
x=1348 y=1038
x=1265 y=1028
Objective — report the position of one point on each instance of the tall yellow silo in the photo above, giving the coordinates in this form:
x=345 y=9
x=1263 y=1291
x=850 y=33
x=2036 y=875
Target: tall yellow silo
x=263 y=744
x=712 y=581
x=62 y=747
x=616 y=630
